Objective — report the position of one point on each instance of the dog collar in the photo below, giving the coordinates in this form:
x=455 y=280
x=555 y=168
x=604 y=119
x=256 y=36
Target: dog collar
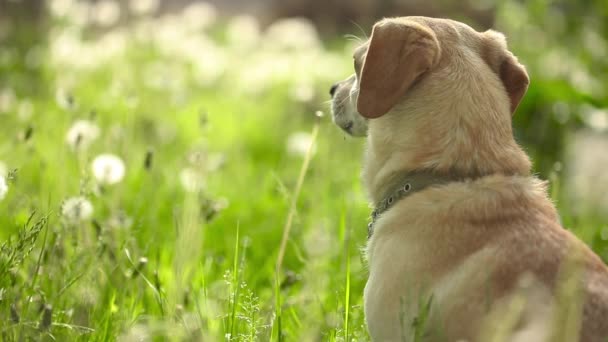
x=404 y=186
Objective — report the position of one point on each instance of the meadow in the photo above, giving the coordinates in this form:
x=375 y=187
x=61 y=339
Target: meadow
x=179 y=178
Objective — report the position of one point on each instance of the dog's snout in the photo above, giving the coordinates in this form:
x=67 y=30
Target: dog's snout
x=333 y=89
x=348 y=126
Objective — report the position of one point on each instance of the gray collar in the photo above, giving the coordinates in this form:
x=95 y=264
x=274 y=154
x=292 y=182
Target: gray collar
x=403 y=186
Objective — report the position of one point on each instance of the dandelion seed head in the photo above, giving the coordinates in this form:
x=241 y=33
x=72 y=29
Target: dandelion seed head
x=138 y=332
x=64 y=100
x=92 y=53
x=595 y=118
x=293 y=33
x=87 y=295
x=81 y=134
x=587 y=180
x=144 y=7
x=199 y=15
x=108 y=169
x=298 y=144
x=7 y=100
x=120 y=220
x=3 y=187
x=106 y=13
x=318 y=244
x=192 y=179
x=79 y=13
x=302 y=92
x=60 y=8
x=243 y=31
x=25 y=109
x=77 y=209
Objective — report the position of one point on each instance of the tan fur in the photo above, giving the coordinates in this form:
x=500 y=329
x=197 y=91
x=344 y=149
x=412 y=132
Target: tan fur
x=398 y=54
x=490 y=250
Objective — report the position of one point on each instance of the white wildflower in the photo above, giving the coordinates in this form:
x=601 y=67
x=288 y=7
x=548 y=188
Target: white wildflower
x=120 y=220
x=243 y=31
x=143 y=7
x=108 y=169
x=87 y=295
x=191 y=179
x=298 y=144
x=199 y=15
x=210 y=65
x=77 y=209
x=79 y=13
x=106 y=13
x=587 y=179
x=81 y=134
x=302 y=92
x=60 y=8
x=64 y=99
x=3 y=187
x=137 y=332
x=293 y=33
x=595 y=118
x=7 y=99
x=25 y=110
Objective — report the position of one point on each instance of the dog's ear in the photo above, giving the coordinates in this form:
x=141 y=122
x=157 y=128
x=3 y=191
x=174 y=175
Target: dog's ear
x=512 y=74
x=399 y=53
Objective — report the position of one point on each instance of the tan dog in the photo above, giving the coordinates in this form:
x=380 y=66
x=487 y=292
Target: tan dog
x=466 y=244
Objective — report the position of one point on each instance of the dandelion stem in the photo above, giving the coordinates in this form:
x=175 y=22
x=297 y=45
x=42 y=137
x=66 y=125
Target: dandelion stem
x=296 y=194
x=288 y=224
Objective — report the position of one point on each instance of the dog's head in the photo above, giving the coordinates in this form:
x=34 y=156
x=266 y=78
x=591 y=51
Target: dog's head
x=412 y=62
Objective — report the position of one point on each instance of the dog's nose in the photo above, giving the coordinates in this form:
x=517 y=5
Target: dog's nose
x=332 y=90
x=348 y=126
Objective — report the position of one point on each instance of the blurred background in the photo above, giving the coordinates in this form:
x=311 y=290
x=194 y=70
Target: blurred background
x=149 y=151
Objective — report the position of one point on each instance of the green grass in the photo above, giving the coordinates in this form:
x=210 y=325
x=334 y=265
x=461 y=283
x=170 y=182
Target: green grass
x=179 y=269
x=161 y=263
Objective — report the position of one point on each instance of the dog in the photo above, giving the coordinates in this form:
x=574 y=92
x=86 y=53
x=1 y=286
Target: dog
x=464 y=244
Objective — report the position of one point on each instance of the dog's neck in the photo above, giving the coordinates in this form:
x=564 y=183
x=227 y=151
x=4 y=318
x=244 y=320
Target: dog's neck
x=455 y=146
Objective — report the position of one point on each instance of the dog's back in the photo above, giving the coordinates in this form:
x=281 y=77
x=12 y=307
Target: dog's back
x=495 y=261
x=485 y=242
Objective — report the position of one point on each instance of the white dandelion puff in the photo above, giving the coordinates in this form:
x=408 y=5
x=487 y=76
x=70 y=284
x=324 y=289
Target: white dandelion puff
x=120 y=220
x=25 y=110
x=7 y=100
x=587 y=179
x=298 y=144
x=595 y=118
x=60 y=8
x=302 y=92
x=143 y=7
x=3 y=187
x=293 y=34
x=81 y=134
x=137 y=332
x=77 y=209
x=199 y=15
x=243 y=31
x=64 y=100
x=191 y=179
x=108 y=169
x=106 y=13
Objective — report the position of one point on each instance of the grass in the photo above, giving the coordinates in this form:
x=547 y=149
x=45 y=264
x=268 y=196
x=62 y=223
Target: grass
x=268 y=245
x=156 y=261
